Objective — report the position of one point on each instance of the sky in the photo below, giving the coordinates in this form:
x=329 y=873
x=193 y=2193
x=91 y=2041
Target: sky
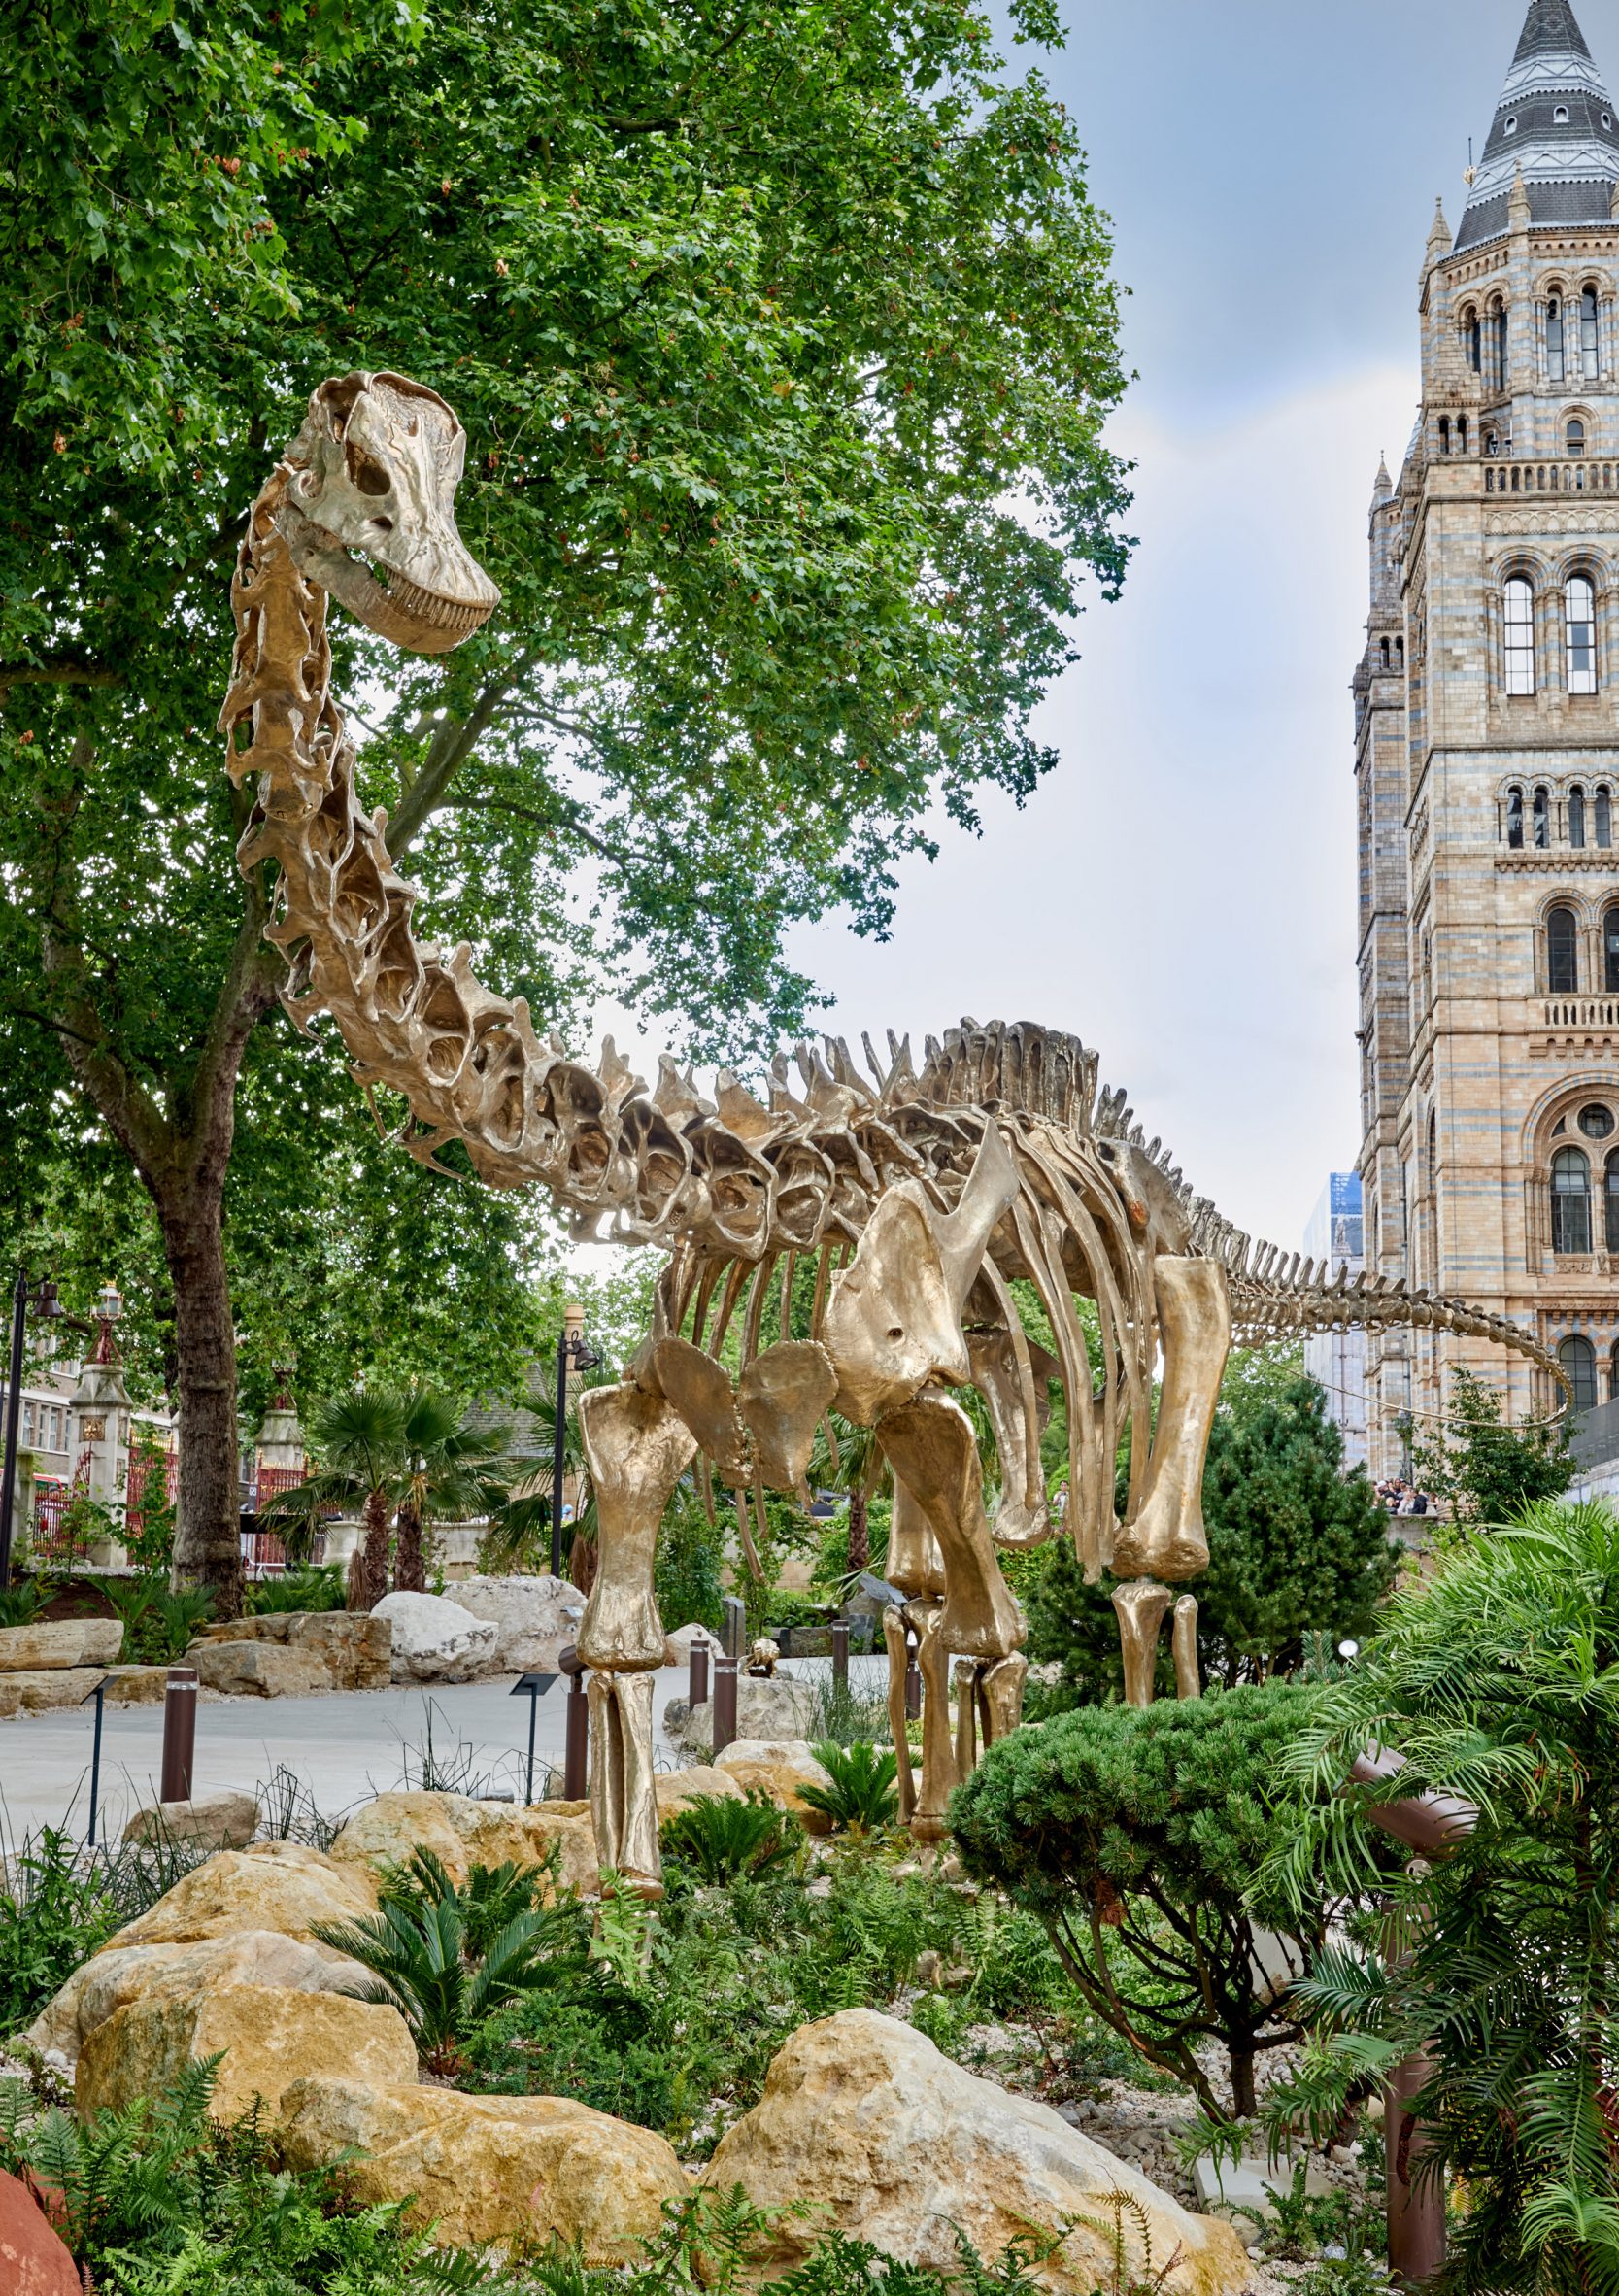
x=1180 y=892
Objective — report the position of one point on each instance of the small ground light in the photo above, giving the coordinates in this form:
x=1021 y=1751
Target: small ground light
x=1349 y=1650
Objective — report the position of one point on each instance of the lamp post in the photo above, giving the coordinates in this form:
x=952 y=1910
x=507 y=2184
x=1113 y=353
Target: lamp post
x=27 y=1300
x=573 y=1354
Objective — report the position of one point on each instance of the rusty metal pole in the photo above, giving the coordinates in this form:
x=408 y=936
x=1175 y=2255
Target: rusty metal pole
x=180 y=1734
x=576 y=1754
x=1416 y=2209
x=913 y=1680
x=840 y=1653
x=725 y=1703
x=696 y=1692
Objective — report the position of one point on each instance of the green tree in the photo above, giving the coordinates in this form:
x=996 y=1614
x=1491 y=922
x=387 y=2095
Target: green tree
x=1486 y=1466
x=1497 y=1681
x=784 y=342
x=1135 y=1837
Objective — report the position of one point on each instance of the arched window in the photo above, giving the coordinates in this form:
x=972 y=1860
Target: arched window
x=1580 y=605
x=1576 y=819
x=1563 y=953
x=1519 y=624
x=1573 y=438
x=1385 y=654
x=1570 y=1201
x=1445 y=434
x=1542 y=821
x=1610 y=952
x=1613 y=1374
x=1472 y=337
x=1588 y=364
x=1554 y=338
x=1460 y=434
x=1578 y=1358
x=1610 y=1224
x=1515 y=820
x=1498 y=345
x=1560 y=115
x=1605 y=820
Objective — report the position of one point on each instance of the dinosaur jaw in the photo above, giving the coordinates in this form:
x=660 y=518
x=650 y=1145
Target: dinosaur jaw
x=369 y=512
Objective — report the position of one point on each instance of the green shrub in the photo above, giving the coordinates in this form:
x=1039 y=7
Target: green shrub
x=1135 y=1837
x=159 y=1623
x=863 y=1793
x=21 y=1604
x=54 y=1914
x=688 y=1565
x=313 y=1586
x=719 y=1835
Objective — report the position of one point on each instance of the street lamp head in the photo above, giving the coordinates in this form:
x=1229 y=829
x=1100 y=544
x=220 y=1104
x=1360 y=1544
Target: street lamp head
x=109 y=1307
x=47 y=1305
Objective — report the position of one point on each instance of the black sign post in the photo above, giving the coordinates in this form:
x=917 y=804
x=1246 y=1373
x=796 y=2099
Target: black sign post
x=534 y=1686
x=99 y=1693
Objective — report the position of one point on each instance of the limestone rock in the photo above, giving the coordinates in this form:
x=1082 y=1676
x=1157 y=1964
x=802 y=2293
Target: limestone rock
x=117 y=1974
x=46 y=1693
x=687 y=1638
x=60 y=1643
x=217 y=1821
x=678 y=1789
x=464 y=1833
x=778 y=1710
x=354 y=1648
x=532 y=1620
x=279 y=1885
x=436 y=1640
x=138 y=1687
x=255 y=1668
x=778 y=1768
x=863 y=2114
x=489 y=2168
x=271 y=2036
x=34 y=2261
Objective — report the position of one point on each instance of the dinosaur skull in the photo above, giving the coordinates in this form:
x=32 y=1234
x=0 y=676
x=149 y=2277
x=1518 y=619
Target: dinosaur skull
x=369 y=511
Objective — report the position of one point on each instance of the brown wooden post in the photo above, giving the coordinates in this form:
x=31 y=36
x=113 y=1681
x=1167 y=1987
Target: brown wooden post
x=180 y=1734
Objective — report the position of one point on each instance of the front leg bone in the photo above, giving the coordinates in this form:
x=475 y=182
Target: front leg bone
x=1167 y=1539
x=934 y=1453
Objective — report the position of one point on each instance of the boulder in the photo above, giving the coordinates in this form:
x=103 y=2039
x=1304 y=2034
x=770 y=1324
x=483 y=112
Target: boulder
x=33 y=2259
x=489 y=2171
x=778 y=1710
x=225 y=1820
x=60 y=1643
x=464 y=1833
x=777 y=1768
x=120 y=1974
x=532 y=1620
x=355 y=1647
x=870 y=1595
x=271 y=2036
x=436 y=1640
x=678 y=1789
x=250 y=1668
x=47 y=1691
x=138 y=1687
x=279 y=1885
x=863 y=2116
x=687 y=1638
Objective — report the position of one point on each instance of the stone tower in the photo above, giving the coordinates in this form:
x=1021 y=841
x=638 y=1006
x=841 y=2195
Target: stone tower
x=1487 y=766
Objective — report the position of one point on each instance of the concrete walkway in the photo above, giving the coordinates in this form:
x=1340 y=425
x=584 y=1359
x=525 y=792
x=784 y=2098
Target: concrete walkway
x=346 y=1747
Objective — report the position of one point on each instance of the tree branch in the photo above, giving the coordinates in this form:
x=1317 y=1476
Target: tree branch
x=449 y=751
x=57 y=669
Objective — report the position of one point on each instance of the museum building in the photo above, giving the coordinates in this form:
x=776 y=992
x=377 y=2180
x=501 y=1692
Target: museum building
x=1487 y=769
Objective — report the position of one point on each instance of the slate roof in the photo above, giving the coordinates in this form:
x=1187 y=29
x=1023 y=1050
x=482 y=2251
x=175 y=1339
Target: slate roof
x=1557 y=123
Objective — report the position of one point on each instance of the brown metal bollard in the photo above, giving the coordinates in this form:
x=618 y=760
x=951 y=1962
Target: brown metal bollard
x=575 y=1755
x=180 y=1734
x=725 y=1705
x=840 y=1653
x=698 y=1685
x=913 y=1680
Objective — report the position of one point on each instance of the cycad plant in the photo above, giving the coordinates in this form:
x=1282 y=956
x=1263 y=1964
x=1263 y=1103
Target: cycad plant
x=1497 y=1683
x=721 y=1835
x=862 y=1791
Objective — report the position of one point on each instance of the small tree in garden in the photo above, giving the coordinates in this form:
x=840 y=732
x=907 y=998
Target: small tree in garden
x=1135 y=1837
x=1497 y=1683
x=850 y=1459
x=1486 y=1467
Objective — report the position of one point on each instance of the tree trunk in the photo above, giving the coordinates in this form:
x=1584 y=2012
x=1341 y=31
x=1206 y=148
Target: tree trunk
x=1243 y=2082
x=410 y=1563
x=207 y=1544
x=860 y=1531
x=368 y=1574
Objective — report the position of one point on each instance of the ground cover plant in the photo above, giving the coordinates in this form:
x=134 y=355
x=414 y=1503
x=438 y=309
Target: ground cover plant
x=1134 y=1838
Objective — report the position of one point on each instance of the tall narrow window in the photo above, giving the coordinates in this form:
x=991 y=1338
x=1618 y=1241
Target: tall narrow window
x=1588 y=362
x=1577 y=820
x=1497 y=347
x=1542 y=821
x=1580 y=600
x=1610 y=952
x=1573 y=438
x=1610 y=1190
x=1460 y=434
x=1515 y=820
x=1578 y=1358
x=1385 y=654
x=1570 y=1201
x=1604 y=821
x=1554 y=339
x=1519 y=604
x=1563 y=953
x=1445 y=434
x=1473 y=335
x=1613 y=1374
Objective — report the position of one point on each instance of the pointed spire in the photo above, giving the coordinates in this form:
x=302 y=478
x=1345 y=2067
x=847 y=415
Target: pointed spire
x=1383 y=487
x=1439 y=237
x=1555 y=127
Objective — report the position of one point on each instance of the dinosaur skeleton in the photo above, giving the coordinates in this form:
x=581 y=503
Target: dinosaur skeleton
x=920 y=1194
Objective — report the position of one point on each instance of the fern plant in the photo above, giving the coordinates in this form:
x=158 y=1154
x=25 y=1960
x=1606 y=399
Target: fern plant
x=862 y=1794
x=721 y=1835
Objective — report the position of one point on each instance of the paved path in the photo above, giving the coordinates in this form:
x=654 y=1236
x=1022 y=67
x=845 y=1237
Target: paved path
x=346 y=1747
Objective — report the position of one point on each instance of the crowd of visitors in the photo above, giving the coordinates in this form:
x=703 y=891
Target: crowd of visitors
x=1404 y=1499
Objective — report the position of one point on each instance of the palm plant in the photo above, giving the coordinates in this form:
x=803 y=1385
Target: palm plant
x=850 y=1459
x=1497 y=1683
x=520 y=1533
x=405 y=1454
x=721 y=1836
x=862 y=1793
